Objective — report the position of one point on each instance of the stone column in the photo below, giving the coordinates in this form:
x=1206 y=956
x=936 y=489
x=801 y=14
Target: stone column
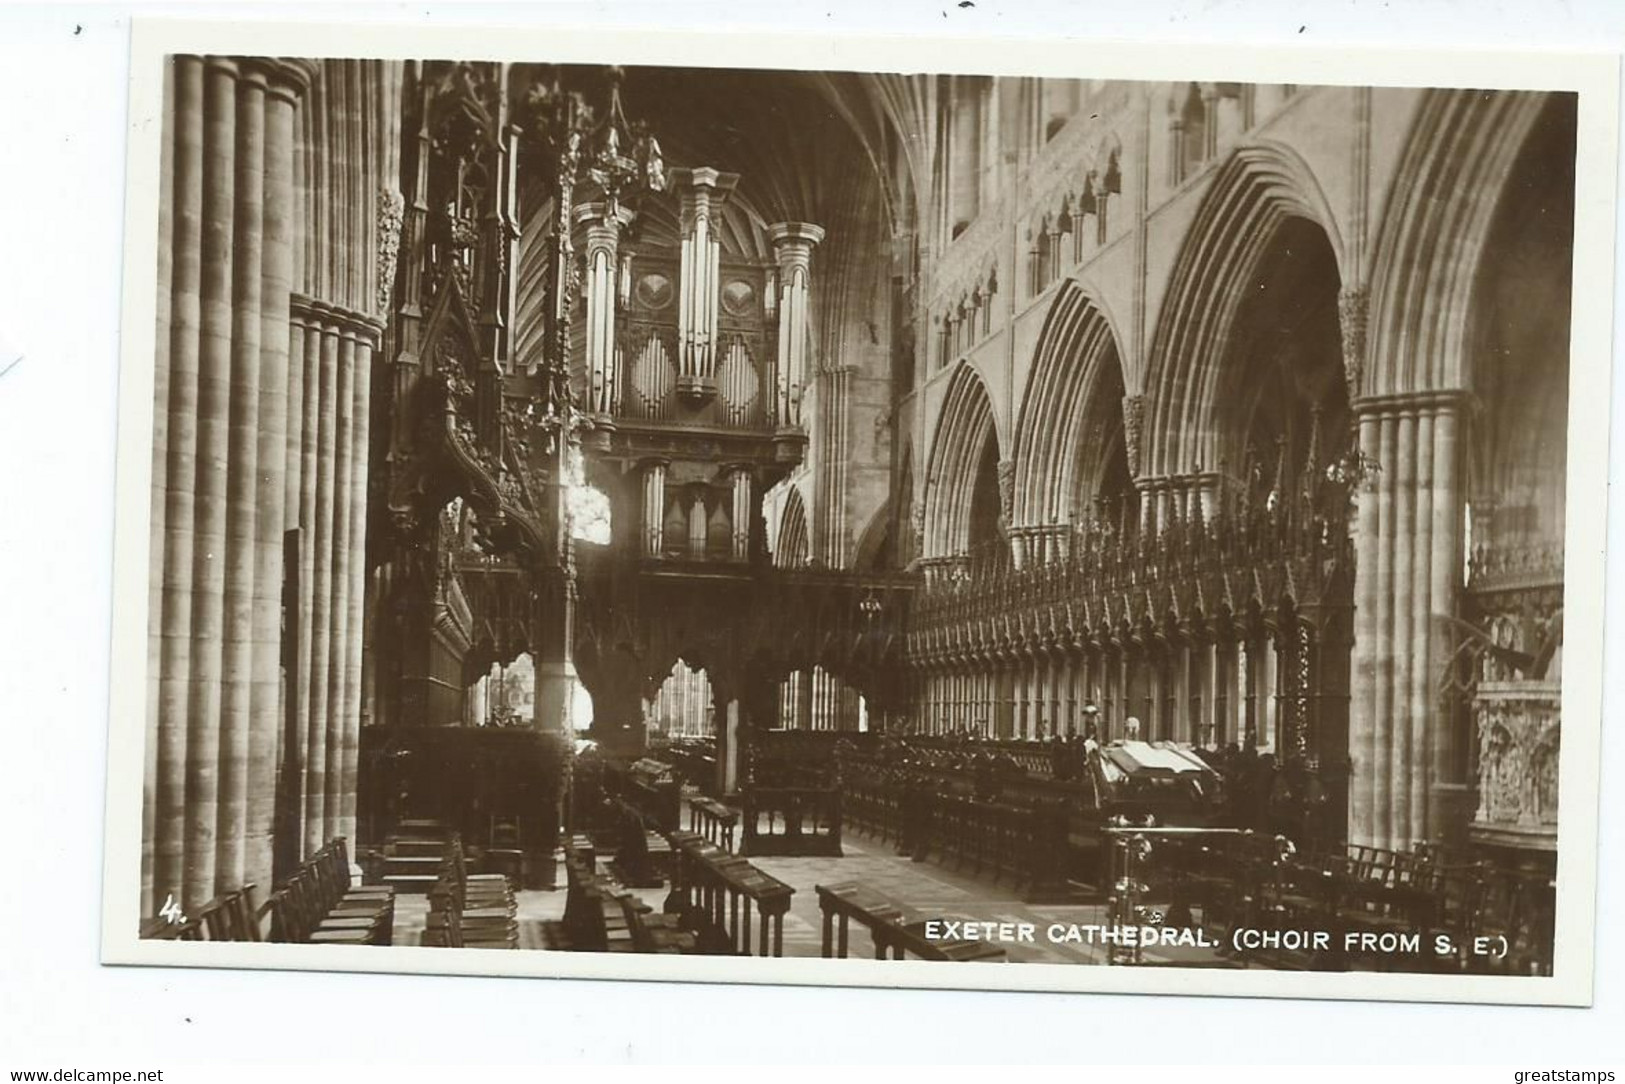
x=218 y=487
x=305 y=347
x=366 y=335
x=555 y=662
x=727 y=733
x=279 y=226
x=793 y=243
x=160 y=462
x=1408 y=542
x=239 y=553
x=201 y=801
x=1448 y=798
x=323 y=391
x=339 y=607
x=1363 y=727
x=346 y=159
x=176 y=388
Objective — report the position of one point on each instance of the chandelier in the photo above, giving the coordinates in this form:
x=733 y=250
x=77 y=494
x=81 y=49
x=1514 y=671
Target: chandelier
x=580 y=138
x=591 y=144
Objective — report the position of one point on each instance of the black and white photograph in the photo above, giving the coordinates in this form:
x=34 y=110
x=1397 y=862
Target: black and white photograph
x=796 y=513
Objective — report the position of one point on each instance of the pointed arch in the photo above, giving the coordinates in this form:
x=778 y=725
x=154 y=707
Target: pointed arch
x=1076 y=363
x=875 y=547
x=1258 y=189
x=794 y=547
x=966 y=435
x=908 y=515
x=1451 y=177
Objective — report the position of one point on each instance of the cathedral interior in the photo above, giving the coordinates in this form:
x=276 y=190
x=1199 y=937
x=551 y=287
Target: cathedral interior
x=795 y=513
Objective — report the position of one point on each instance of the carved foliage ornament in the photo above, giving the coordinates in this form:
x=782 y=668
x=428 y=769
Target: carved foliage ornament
x=391 y=212
x=1133 y=429
x=1007 y=490
x=1351 y=316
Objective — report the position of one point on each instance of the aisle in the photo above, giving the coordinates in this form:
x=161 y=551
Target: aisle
x=927 y=888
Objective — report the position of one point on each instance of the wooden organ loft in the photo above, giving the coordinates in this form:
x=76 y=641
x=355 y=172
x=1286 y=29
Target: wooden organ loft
x=593 y=372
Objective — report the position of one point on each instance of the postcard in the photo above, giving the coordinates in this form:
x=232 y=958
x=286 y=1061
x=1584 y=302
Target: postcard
x=989 y=514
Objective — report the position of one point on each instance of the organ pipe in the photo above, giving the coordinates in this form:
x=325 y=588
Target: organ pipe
x=701 y=194
x=793 y=243
x=603 y=228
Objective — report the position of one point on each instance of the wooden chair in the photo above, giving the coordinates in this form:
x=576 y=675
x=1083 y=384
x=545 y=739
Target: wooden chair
x=215 y=916
x=301 y=914
x=245 y=917
x=340 y=858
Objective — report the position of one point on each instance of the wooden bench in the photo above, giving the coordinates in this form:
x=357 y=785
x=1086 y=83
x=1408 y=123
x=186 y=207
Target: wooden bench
x=716 y=892
x=603 y=916
x=319 y=905
x=896 y=930
x=470 y=910
x=713 y=820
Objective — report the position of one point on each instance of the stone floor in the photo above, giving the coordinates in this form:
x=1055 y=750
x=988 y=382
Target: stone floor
x=930 y=889
x=927 y=888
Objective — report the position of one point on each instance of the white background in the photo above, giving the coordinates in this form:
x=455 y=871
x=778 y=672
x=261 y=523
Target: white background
x=63 y=73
